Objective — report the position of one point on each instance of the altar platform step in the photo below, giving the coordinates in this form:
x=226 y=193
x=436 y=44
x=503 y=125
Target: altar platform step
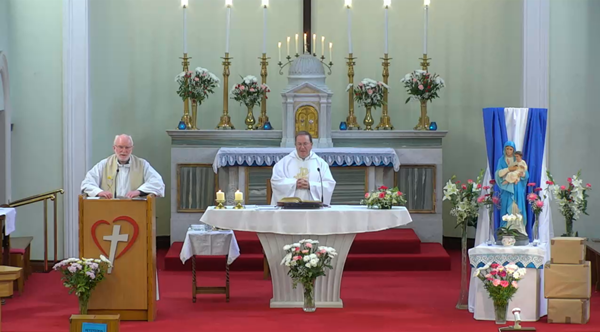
x=389 y=250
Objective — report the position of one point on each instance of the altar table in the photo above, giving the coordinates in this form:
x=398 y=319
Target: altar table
x=335 y=227
x=530 y=295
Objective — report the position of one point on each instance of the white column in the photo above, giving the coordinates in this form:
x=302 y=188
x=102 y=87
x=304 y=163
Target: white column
x=536 y=53
x=76 y=149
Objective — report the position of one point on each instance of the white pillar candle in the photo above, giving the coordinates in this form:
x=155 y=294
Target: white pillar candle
x=305 y=45
x=279 y=47
x=220 y=195
x=385 y=47
x=264 y=48
x=288 y=46
x=184 y=4
x=313 y=46
x=296 y=43
x=349 y=29
x=330 y=51
x=322 y=45
x=425 y=28
x=228 y=3
x=239 y=196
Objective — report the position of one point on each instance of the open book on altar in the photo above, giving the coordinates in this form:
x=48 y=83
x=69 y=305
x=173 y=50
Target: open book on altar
x=297 y=203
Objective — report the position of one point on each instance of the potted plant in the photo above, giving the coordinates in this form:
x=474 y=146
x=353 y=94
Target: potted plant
x=507 y=236
x=572 y=199
x=307 y=262
x=249 y=93
x=81 y=276
x=384 y=198
x=501 y=283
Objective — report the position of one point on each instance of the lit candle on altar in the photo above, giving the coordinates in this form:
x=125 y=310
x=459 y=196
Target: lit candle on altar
x=228 y=3
x=220 y=195
x=330 y=51
x=426 y=3
x=313 y=46
x=279 y=47
x=304 y=52
x=239 y=196
x=386 y=3
x=322 y=45
x=265 y=3
x=184 y=4
x=348 y=4
x=288 y=46
x=296 y=43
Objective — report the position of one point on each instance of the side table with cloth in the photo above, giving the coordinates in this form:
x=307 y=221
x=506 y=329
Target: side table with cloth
x=530 y=295
x=9 y=216
x=203 y=243
x=334 y=227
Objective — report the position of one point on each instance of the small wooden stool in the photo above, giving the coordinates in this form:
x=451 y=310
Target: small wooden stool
x=209 y=290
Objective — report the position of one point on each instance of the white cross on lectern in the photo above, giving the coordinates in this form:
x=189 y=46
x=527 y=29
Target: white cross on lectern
x=114 y=239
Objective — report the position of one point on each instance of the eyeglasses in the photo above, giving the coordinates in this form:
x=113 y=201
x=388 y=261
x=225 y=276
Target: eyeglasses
x=303 y=144
x=120 y=147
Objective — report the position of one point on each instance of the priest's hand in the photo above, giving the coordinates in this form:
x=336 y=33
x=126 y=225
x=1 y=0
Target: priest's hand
x=133 y=194
x=105 y=194
x=302 y=184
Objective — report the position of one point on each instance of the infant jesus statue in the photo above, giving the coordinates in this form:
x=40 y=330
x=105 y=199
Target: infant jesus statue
x=515 y=176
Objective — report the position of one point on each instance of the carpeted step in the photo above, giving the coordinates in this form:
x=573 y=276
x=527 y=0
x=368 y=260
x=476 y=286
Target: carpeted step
x=391 y=241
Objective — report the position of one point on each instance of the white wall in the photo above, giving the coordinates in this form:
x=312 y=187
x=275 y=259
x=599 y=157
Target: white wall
x=3 y=38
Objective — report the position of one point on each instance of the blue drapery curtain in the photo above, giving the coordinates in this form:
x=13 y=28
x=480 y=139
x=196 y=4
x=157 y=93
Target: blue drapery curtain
x=533 y=153
x=494 y=126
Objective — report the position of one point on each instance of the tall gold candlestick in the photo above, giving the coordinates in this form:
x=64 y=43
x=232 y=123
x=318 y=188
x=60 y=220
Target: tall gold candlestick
x=186 y=103
x=385 y=122
x=225 y=122
x=263 y=118
x=423 y=119
x=351 y=119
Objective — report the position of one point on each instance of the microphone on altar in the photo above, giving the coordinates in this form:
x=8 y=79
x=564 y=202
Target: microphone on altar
x=321 y=178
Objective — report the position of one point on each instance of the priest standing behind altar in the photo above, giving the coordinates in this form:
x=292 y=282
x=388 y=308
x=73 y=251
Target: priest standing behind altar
x=123 y=174
x=299 y=174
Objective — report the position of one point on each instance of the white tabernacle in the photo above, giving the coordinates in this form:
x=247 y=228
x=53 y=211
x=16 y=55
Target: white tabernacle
x=530 y=295
x=333 y=227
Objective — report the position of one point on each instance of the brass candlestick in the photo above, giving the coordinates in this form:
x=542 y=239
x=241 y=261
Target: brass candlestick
x=220 y=204
x=385 y=122
x=186 y=103
x=238 y=205
x=423 y=119
x=225 y=122
x=263 y=118
x=351 y=119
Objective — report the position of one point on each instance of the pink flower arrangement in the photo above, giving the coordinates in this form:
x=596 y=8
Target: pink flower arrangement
x=501 y=282
x=384 y=198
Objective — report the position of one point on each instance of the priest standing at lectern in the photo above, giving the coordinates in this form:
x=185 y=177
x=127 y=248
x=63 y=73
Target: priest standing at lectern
x=123 y=174
x=302 y=174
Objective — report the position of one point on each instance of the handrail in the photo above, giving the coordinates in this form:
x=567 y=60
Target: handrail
x=33 y=200
x=51 y=195
x=56 y=191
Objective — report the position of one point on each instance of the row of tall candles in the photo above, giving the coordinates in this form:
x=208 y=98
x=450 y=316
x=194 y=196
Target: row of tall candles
x=347 y=4
x=239 y=196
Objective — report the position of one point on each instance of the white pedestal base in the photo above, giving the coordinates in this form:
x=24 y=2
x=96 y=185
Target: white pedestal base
x=327 y=289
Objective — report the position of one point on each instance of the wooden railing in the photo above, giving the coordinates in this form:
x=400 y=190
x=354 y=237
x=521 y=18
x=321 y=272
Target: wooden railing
x=44 y=197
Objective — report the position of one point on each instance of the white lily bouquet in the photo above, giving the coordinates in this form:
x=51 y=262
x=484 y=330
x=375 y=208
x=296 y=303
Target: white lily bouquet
x=249 y=92
x=368 y=93
x=464 y=200
x=307 y=261
x=197 y=84
x=572 y=199
x=422 y=86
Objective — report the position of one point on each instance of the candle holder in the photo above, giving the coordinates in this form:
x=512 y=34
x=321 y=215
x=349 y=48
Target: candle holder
x=238 y=205
x=423 y=123
x=225 y=122
x=186 y=118
x=288 y=62
x=263 y=118
x=328 y=65
x=220 y=205
x=351 y=122
x=385 y=122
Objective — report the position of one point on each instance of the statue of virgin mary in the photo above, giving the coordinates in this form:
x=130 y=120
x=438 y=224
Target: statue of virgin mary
x=512 y=196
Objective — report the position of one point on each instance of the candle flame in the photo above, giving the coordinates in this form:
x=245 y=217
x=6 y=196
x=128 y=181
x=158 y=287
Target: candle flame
x=265 y=3
x=348 y=3
x=228 y=3
x=296 y=36
x=288 y=39
x=330 y=45
x=426 y=2
x=279 y=44
x=322 y=38
x=184 y=3
x=387 y=3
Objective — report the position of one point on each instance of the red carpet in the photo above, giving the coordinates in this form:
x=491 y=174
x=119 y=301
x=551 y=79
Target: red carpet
x=374 y=301
x=389 y=250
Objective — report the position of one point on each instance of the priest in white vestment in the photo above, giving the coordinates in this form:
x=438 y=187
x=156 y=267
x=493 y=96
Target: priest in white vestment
x=123 y=175
x=299 y=174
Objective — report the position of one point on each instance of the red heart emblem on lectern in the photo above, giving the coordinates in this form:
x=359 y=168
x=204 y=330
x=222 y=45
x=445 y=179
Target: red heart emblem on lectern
x=129 y=243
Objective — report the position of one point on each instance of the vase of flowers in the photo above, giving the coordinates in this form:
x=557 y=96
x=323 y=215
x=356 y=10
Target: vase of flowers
x=307 y=261
x=572 y=199
x=384 y=198
x=536 y=201
x=489 y=200
x=81 y=276
x=501 y=283
x=466 y=210
x=196 y=86
x=424 y=87
x=368 y=93
x=249 y=93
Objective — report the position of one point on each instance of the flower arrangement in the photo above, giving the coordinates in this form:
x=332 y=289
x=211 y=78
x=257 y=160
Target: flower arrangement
x=536 y=201
x=249 y=92
x=384 y=198
x=81 y=276
x=307 y=261
x=464 y=199
x=488 y=197
x=572 y=199
x=422 y=85
x=368 y=93
x=501 y=283
x=196 y=84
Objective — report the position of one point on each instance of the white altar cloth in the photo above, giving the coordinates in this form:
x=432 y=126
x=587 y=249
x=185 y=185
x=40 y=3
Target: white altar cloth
x=10 y=216
x=333 y=227
x=530 y=295
x=333 y=156
x=202 y=243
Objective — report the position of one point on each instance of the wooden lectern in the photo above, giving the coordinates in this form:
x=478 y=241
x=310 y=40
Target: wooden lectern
x=123 y=230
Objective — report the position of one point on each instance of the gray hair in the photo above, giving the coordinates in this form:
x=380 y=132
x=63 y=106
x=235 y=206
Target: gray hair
x=124 y=135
